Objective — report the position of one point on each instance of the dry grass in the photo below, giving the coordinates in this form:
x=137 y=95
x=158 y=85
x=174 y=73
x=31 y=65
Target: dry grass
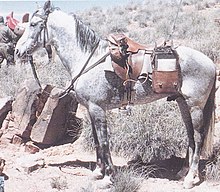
x=213 y=167
x=127 y=180
x=59 y=183
x=153 y=131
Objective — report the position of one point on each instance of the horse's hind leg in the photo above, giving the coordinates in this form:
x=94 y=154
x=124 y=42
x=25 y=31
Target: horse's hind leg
x=186 y=116
x=197 y=119
x=99 y=129
x=193 y=119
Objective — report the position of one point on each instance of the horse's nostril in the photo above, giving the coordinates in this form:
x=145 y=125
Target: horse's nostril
x=17 y=52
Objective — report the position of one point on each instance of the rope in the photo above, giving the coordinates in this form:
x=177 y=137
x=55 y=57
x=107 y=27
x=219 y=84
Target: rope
x=174 y=23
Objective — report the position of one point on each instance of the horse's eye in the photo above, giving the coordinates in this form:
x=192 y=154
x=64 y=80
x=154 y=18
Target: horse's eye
x=42 y=25
x=33 y=24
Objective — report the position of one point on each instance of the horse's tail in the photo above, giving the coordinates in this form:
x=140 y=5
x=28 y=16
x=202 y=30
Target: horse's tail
x=209 y=123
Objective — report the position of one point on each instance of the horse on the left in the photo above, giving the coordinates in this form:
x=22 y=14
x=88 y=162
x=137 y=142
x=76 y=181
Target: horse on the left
x=11 y=31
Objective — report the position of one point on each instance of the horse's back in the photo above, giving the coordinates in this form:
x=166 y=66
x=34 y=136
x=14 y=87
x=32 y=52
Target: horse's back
x=198 y=73
x=192 y=56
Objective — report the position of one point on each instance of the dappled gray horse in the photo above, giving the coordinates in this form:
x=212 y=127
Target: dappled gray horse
x=98 y=88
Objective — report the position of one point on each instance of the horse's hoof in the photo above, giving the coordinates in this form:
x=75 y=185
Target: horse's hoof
x=188 y=184
x=96 y=174
x=105 y=183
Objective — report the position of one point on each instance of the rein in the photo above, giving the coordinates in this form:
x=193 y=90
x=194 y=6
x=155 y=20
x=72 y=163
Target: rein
x=30 y=59
x=82 y=71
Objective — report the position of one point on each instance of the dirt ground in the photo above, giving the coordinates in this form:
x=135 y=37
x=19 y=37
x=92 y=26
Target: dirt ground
x=68 y=168
x=51 y=176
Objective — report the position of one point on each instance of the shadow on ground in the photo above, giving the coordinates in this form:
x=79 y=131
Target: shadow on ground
x=166 y=169
x=169 y=168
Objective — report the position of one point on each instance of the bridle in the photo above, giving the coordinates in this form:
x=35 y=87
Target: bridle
x=29 y=56
x=43 y=27
x=82 y=71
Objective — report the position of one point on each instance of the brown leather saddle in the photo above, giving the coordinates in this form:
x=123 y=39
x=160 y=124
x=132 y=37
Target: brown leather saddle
x=128 y=58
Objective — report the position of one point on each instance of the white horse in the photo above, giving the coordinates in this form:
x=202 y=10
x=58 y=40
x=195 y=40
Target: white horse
x=98 y=87
x=22 y=30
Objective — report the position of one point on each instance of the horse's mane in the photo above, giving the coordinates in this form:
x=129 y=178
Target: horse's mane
x=86 y=37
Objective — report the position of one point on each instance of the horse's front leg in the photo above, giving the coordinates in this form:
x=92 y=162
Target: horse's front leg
x=100 y=134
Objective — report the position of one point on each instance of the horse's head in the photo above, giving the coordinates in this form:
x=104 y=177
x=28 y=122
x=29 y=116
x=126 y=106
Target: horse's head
x=35 y=33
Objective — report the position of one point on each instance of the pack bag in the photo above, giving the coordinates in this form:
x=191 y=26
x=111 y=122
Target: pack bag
x=166 y=70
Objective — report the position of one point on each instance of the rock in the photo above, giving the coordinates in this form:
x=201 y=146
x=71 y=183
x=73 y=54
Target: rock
x=5 y=107
x=24 y=107
x=17 y=140
x=6 y=121
x=50 y=126
x=30 y=147
x=29 y=163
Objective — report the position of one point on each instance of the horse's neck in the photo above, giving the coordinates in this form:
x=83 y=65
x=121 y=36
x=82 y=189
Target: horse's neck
x=64 y=39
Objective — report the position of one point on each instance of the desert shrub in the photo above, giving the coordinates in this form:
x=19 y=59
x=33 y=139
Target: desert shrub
x=148 y=21
x=87 y=188
x=10 y=79
x=59 y=183
x=212 y=168
x=127 y=180
x=149 y=132
x=48 y=73
x=153 y=131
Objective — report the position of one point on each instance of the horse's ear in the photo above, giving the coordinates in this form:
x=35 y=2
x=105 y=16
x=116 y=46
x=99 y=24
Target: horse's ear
x=47 y=6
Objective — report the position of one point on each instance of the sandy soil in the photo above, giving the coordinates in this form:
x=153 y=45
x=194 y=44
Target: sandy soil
x=68 y=168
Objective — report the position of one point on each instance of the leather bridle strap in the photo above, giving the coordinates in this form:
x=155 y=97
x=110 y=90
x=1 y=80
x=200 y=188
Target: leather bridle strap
x=84 y=70
x=30 y=59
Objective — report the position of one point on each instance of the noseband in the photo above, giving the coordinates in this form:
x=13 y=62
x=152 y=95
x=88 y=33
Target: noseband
x=43 y=27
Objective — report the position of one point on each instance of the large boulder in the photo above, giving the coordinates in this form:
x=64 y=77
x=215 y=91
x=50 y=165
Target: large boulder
x=43 y=117
x=53 y=123
x=24 y=108
x=5 y=107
